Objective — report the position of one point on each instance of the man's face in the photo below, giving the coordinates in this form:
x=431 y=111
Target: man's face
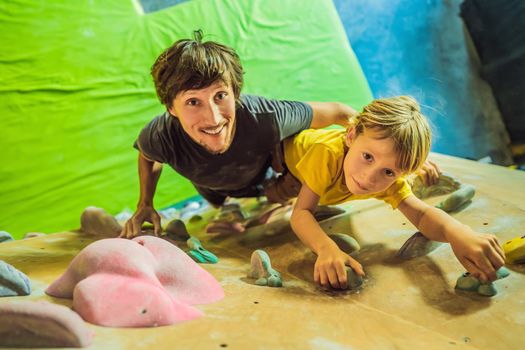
x=370 y=164
x=207 y=115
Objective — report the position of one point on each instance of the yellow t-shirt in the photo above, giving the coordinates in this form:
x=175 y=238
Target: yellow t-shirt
x=315 y=157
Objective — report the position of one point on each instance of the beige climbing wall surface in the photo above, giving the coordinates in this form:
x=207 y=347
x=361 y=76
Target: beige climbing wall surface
x=403 y=304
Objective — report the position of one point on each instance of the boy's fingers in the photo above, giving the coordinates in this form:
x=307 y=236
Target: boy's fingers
x=487 y=270
x=341 y=276
x=473 y=269
x=495 y=244
x=323 y=279
x=332 y=278
x=356 y=267
x=316 y=276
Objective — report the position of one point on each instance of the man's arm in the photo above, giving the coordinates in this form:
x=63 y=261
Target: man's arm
x=328 y=113
x=149 y=173
x=480 y=254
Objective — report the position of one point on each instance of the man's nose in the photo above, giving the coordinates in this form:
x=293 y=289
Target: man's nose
x=213 y=114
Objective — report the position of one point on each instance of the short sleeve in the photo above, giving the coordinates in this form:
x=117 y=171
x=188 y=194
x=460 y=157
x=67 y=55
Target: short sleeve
x=314 y=168
x=151 y=142
x=291 y=117
x=396 y=193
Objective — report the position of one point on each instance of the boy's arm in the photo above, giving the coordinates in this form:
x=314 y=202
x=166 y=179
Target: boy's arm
x=330 y=265
x=149 y=173
x=480 y=254
x=328 y=113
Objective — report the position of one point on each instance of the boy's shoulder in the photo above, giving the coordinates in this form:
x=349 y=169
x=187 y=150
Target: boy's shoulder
x=331 y=139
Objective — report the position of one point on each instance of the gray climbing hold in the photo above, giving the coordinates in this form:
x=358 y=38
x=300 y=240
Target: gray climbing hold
x=195 y=218
x=176 y=230
x=354 y=281
x=230 y=212
x=5 y=237
x=323 y=212
x=33 y=235
x=446 y=184
x=12 y=281
x=30 y=324
x=262 y=271
x=417 y=245
x=97 y=221
x=502 y=272
x=345 y=242
x=198 y=253
x=469 y=283
x=457 y=198
x=487 y=290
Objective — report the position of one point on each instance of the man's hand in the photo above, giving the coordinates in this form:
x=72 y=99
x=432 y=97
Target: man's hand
x=133 y=226
x=480 y=254
x=329 y=269
x=429 y=173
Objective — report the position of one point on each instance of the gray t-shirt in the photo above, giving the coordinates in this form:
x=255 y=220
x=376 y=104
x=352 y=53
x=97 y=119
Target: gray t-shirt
x=260 y=125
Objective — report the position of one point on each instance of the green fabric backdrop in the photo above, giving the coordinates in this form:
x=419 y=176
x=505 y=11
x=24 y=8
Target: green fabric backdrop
x=76 y=91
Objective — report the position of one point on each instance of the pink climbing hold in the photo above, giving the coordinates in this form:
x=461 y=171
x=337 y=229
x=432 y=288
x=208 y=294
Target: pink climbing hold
x=144 y=282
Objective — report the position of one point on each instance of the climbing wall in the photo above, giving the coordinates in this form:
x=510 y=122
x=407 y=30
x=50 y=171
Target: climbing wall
x=403 y=304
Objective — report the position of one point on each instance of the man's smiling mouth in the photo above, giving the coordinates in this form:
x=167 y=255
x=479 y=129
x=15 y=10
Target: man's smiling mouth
x=214 y=131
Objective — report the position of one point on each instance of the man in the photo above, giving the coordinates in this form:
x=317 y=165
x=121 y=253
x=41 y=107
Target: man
x=226 y=144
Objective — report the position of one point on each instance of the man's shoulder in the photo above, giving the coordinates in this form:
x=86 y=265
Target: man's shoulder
x=261 y=104
x=160 y=123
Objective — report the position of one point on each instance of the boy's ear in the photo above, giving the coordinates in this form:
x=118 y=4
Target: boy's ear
x=350 y=136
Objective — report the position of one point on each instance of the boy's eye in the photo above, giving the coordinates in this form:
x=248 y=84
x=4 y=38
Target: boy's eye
x=367 y=156
x=192 y=102
x=389 y=173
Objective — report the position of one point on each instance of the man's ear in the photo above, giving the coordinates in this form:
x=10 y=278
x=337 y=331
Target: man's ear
x=350 y=136
x=172 y=111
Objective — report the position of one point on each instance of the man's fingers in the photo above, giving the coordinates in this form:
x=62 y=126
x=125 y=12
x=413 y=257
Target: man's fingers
x=157 y=227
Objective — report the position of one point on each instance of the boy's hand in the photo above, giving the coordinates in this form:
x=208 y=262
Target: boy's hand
x=329 y=269
x=133 y=226
x=480 y=254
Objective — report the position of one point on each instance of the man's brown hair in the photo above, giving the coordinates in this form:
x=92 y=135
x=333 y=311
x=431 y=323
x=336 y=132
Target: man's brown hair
x=193 y=64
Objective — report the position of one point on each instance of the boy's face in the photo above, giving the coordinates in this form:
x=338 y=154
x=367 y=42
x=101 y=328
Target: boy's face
x=370 y=164
x=207 y=115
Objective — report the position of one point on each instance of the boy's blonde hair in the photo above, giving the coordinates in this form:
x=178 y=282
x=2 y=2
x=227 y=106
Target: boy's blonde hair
x=399 y=118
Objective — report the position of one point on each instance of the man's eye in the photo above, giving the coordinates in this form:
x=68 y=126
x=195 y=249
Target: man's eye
x=389 y=173
x=221 y=95
x=367 y=156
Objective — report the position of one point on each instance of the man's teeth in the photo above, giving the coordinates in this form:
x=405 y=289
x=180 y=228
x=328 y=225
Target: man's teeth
x=213 y=131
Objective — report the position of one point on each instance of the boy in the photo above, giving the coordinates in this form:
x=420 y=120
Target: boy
x=387 y=141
